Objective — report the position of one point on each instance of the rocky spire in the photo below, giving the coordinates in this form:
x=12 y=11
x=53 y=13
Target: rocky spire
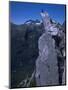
x=48 y=26
x=46 y=63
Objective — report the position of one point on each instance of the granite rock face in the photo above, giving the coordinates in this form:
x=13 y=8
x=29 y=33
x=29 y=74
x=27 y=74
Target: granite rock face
x=49 y=27
x=46 y=63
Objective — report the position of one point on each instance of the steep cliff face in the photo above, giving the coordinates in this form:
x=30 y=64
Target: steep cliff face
x=46 y=64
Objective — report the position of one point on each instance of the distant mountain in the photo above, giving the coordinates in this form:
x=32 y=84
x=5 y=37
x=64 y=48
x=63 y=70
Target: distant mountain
x=37 y=22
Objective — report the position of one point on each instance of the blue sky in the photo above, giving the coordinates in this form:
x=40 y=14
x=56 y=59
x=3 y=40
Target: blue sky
x=21 y=11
